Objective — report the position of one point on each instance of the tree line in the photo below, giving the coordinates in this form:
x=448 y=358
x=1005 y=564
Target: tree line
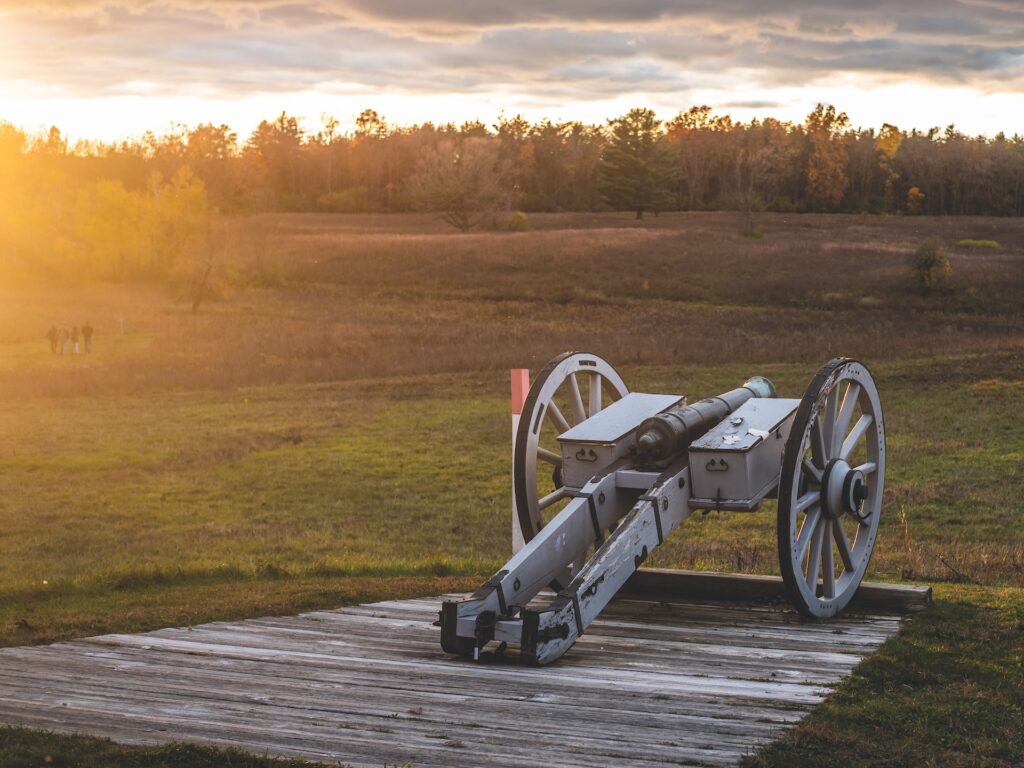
x=694 y=161
x=133 y=207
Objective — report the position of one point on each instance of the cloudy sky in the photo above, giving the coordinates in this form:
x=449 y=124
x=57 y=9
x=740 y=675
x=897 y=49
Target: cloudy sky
x=106 y=69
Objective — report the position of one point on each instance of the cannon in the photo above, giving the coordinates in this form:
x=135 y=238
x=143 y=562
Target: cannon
x=602 y=475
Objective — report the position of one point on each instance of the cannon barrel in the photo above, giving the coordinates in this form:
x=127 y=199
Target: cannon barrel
x=661 y=436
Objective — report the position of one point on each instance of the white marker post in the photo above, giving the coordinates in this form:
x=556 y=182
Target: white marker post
x=520 y=378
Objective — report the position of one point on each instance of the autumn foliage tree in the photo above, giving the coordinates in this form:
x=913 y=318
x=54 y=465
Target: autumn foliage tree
x=154 y=233
x=826 y=164
x=60 y=222
x=887 y=144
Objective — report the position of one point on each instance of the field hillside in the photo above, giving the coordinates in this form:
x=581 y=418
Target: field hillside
x=307 y=298
x=332 y=426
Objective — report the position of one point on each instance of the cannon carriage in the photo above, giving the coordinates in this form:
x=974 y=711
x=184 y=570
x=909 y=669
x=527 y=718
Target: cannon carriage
x=602 y=475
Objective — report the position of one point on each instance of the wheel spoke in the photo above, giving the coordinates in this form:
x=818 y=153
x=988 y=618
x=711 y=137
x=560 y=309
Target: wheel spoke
x=549 y=456
x=812 y=470
x=804 y=537
x=818 y=454
x=867 y=467
x=843 y=544
x=557 y=418
x=809 y=498
x=828 y=566
x=855 y=435
x=845 y=415
x=576 y=400
x=814 y=558
x=556 y=495
x=595 y=393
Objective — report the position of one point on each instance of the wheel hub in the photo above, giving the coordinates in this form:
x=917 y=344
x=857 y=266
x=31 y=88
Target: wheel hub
x=843 y=490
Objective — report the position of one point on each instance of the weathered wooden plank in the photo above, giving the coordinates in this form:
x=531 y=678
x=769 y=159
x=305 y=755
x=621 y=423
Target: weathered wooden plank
x=778 y=610
x=745 y=611
x=675 y=614
x=610 y=635
x=653 y=683
x=428 y=672
x=615 y=649
x=678 y=616
x=487 y=744
x=345 y=746
x=355 y=633
x=795 y=637
x=514 y=681
x=483 y=679
x=374 y=711
x=815 y=668
x=485 y=693
x=664 y=582
x=591 y=677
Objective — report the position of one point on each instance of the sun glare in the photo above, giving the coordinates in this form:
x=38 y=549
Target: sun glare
x=138 y=110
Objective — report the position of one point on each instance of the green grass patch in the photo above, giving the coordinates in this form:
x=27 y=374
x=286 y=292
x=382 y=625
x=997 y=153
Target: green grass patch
x=106 y=503
x=978 y=245
x=947 y=691
x=25 y=748
x=131 y=512
x=34 y=618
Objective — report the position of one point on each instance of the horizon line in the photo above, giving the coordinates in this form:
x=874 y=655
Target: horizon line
x=174 y=127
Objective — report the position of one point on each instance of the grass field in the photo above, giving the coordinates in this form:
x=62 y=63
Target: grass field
x=333 y=428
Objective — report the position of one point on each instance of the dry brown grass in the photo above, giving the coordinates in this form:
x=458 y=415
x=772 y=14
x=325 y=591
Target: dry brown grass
x=323 y=297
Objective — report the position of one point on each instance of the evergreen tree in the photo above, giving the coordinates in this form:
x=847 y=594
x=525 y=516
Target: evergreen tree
x=637 y=165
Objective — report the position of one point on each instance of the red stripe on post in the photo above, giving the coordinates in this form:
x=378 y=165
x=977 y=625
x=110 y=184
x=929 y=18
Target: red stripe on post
x=520 y=386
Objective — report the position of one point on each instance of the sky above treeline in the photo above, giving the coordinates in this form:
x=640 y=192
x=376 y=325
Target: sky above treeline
x=104 y=69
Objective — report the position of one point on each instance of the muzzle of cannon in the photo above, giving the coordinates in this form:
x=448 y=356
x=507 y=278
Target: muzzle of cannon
x=668 y=433
x=602 y=476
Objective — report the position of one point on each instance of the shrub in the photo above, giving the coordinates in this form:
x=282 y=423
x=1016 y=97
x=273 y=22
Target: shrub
x=930 y=265
x=518 y=222
x=978 y=244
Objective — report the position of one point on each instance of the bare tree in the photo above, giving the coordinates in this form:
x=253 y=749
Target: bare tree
x=461 y=178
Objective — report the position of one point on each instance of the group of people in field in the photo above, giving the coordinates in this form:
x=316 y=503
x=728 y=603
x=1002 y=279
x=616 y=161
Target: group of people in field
x=64 y=342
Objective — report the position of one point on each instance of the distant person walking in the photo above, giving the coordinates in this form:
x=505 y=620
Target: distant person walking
x=64 y=336
x=74 y=339
x=87 y=337
x=54 y=336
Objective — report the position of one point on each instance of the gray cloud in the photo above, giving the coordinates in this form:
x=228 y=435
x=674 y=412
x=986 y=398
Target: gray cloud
x=594 y=48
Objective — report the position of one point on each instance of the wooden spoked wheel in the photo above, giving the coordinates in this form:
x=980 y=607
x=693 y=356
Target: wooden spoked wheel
x=570 y=389
x=830 y=491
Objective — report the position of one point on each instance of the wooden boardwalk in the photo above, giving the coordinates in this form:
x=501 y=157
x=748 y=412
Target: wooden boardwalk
x=654 y=683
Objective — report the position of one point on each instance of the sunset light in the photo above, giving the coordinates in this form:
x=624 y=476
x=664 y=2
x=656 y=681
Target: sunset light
x=511 y=383
x=107 y=70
